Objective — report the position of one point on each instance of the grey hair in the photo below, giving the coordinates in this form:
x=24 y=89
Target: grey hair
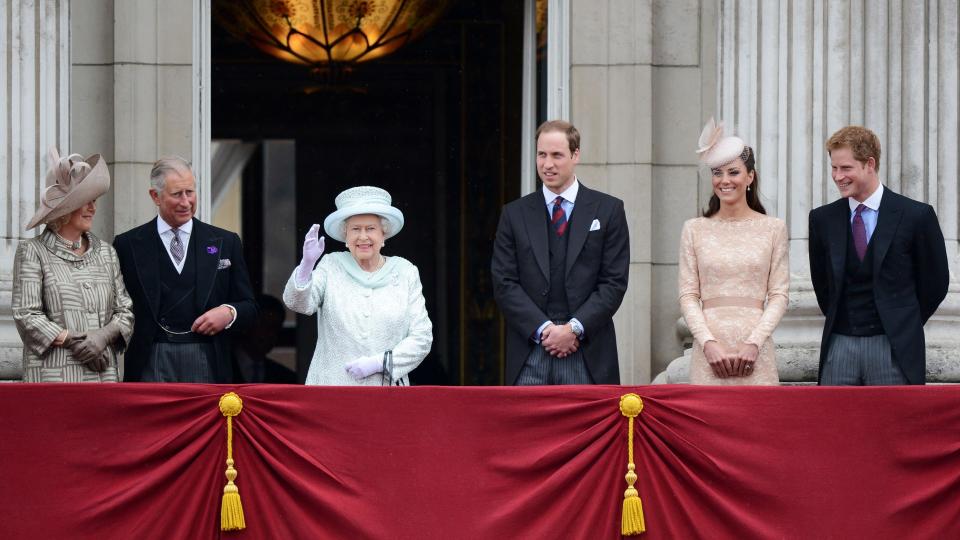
x=165 y=166
x=384 y=225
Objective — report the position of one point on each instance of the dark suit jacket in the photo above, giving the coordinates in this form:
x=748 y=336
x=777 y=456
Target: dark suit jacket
x=597 y=268
x=140 y=258
x=910 y=272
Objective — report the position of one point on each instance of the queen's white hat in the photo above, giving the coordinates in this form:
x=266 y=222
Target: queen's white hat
x=362 y=200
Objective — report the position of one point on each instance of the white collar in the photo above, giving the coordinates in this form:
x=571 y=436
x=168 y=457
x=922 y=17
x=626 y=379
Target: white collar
x=163 y=226
x=872 y=202
x=569 y=194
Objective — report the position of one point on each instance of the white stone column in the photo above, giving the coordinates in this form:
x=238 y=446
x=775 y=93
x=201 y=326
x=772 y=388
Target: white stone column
x=610 y=103
x=154 y=83
x=793 y=73
x=34 y=115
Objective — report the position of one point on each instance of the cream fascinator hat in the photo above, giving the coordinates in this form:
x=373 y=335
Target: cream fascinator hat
x=73 y=182
x=716 y=150
x=362 y=200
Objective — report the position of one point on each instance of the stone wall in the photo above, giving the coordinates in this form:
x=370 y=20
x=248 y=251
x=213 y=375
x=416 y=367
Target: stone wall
x=34 y=115
x=642 y=80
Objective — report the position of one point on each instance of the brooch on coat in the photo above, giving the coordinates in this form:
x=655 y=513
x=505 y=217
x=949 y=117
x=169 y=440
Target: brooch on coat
x=212 y=250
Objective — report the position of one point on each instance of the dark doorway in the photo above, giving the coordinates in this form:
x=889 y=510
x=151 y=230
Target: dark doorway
x=437 y=124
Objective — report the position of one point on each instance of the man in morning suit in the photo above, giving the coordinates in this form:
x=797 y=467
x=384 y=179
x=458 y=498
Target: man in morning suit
x=879 y=268
x=189 y=286
x=560 y=264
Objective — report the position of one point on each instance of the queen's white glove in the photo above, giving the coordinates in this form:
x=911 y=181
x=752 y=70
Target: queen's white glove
x=312 y=251
x=364 y=366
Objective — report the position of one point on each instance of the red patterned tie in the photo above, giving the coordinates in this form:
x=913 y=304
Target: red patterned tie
x=859 y=232
x=559 y=219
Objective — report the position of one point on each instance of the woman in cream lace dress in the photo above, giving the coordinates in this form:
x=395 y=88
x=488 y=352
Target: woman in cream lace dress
x=734 y=274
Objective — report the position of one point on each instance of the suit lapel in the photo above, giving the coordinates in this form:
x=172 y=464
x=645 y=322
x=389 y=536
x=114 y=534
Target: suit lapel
x=206 y=248
x=146 y=259
x=888 y=220
x=534 y=216
x=839 y=222
x=584 y=209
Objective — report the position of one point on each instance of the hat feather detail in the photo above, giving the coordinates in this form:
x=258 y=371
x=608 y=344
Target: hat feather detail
x=711 y=134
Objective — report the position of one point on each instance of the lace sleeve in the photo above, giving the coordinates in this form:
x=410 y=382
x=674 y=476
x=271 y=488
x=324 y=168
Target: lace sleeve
x=689 y=284
x=778 y=288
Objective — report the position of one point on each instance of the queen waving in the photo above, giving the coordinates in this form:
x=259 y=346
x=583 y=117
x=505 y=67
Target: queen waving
x=370 y=309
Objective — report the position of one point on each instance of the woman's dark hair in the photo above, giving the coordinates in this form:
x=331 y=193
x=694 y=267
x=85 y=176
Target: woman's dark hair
x=753 y=195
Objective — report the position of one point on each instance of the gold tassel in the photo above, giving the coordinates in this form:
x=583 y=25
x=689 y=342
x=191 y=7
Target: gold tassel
x=632 y=522
x=231 y=510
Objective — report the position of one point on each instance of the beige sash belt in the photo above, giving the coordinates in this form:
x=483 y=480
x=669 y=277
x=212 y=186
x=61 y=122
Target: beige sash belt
x=732 y=301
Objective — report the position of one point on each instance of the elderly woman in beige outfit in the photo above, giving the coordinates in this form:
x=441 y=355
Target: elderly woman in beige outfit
x=69 y=302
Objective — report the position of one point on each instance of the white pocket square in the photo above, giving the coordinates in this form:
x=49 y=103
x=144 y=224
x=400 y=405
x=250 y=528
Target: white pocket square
x=224 y=263
x=595 y=226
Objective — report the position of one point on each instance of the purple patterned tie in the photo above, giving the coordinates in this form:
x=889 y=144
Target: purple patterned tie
x=559 y=218
x=176 y=246
x=859 y=232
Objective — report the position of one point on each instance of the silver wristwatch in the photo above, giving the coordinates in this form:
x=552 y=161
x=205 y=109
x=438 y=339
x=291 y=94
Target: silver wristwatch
x=576 y=327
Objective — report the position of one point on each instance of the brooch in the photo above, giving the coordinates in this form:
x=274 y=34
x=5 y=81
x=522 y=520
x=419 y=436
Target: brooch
x=212 y=250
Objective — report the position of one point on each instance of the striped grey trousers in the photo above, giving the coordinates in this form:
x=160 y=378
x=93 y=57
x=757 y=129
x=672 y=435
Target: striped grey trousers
x=181 y=362
x=541 y=368
x=860 y=361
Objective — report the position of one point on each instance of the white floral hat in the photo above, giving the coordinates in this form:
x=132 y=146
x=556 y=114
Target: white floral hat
x=362 y=200
x=716 y=150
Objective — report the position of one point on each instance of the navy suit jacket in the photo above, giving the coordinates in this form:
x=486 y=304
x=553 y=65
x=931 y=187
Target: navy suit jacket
x=140 y=258
x=910 y=272
x=598 y=264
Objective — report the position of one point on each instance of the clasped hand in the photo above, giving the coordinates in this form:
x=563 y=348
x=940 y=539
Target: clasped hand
x=213 y=321
x=559 y=341
x=89 y=348
x=731 y=361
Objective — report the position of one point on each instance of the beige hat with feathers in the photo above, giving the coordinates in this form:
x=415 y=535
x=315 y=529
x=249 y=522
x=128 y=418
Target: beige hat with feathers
x=716 y=150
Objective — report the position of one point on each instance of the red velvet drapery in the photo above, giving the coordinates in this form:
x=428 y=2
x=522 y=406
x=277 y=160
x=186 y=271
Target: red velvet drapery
x=147 y=461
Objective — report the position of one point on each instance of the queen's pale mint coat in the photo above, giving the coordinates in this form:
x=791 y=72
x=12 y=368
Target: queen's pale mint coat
x=362 y=314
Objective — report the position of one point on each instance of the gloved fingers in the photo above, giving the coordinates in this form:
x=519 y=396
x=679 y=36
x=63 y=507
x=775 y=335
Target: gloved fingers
x=98 y=364
x=313 y=232
x=355 y=372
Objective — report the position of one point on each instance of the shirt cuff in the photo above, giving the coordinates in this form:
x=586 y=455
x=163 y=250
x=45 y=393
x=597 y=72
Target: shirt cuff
x=233 y=314
x=583 y=331
x=539 y=332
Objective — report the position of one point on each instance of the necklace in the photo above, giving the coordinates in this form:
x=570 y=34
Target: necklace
x=74 y=245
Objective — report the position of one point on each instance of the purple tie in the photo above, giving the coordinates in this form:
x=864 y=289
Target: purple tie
x=859 y=232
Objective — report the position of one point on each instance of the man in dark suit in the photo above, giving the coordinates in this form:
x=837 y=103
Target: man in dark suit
x=189 y=285
x=560 y=265
x=879 y=268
